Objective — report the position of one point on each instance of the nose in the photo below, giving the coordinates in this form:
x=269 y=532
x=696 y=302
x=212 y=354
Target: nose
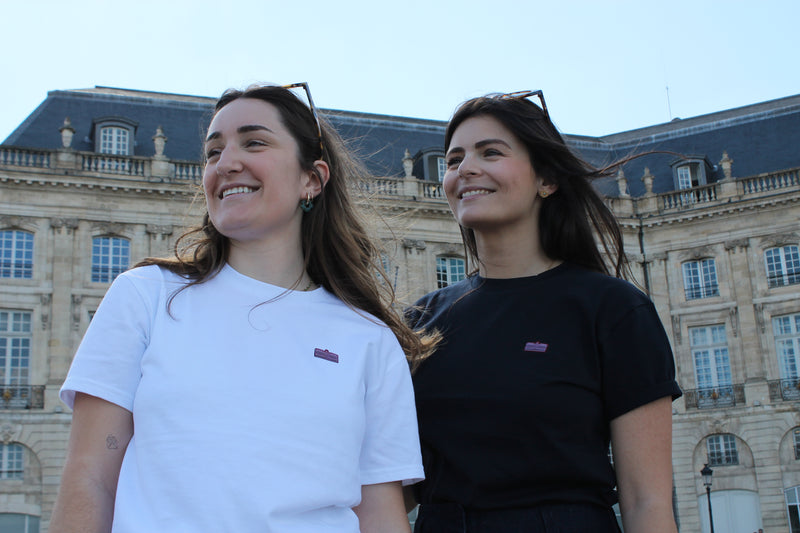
x=228 y=162
x=467 y=167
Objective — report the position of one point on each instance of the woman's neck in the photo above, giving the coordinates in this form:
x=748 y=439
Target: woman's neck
x=276 y=264
x=506 y=254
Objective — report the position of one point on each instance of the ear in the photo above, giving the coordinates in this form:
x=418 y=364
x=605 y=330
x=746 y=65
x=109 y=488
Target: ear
x=317 y=179
x=547 y=188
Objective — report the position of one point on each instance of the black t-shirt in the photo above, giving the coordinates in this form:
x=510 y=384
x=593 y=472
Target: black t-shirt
x=514 y=406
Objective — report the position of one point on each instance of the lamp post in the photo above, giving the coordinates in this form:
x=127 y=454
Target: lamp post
x=706 y=472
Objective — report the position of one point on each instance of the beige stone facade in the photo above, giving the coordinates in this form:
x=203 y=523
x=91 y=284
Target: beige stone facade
x=64 y=198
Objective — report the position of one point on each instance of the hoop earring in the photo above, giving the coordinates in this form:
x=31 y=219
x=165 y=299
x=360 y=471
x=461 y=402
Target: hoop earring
x=307 y=205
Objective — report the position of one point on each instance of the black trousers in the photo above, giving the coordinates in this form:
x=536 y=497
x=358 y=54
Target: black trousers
x=557 y=518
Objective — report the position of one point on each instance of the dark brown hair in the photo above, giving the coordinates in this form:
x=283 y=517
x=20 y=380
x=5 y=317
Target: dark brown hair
x=575 y=213
x=337 y=251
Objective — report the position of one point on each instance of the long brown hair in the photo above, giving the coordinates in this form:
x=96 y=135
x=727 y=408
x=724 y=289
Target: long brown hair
x=338 y=253
x=575 y=213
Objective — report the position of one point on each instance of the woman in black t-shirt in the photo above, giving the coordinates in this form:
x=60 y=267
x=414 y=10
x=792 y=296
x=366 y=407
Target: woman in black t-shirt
x=546 y=356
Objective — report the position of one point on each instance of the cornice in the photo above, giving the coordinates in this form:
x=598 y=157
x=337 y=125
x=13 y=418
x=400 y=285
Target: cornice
x=134 y=187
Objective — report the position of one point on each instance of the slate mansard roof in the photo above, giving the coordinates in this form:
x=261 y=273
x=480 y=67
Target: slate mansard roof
x=760 y=138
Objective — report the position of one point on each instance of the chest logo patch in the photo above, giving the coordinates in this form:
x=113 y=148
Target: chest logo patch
x=535 y=347
x=325 y=354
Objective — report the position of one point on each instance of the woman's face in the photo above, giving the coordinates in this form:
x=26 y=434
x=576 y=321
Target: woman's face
x=490 y=183
x=253 y=181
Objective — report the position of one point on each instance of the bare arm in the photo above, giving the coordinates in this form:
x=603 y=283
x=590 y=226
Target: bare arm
x=98 y=438
x=381 y=509
x=642 y=443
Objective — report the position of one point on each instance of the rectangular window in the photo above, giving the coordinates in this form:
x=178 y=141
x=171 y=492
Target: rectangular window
x=796 y=435
x=722 y=450
x=793 y=507
x=700 y=279
x=110 y=258
x=18 y=523
x=449 y=270
x=783 y=266
x=786 y=330
x=114 y=140
x=712 y=366
x=11 y=461
x=684 y=177
x=16 y=254
x=441 y=165
x=15 y=350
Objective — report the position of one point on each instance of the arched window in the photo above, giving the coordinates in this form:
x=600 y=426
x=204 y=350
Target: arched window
x=16 y=254
x=110 y=258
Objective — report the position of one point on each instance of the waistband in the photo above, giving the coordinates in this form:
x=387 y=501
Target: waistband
x=546 y=518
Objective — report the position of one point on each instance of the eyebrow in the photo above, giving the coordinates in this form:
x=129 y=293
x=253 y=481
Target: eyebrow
x=480 y=144
x=240 y=129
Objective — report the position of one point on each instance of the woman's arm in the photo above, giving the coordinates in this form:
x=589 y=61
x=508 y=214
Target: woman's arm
x=641 y=441
x=98 y=438
x=381 y=509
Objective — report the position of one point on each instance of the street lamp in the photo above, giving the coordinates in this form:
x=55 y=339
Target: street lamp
x=706 y=472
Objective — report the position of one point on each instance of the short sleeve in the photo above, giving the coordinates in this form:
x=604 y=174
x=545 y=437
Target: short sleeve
x=636 y=361
x=107 y=363
x=391 y=450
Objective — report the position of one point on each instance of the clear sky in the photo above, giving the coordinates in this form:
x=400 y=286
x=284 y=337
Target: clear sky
x=604 y=65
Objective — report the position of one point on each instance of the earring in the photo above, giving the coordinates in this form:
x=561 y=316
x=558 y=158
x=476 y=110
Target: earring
x=307 y=205
x=544 y=194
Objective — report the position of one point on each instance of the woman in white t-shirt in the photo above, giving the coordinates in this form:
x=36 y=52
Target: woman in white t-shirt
x=257 y=381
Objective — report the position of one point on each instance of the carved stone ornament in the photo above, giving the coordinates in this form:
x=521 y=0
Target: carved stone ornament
x=108 y=228
x=759 y=311
x=413 y=244
x=700 y=252
x=69 y=223
x=67 y=132
x=734 y=316
x=647 y=179
x=159 y=141
x=76 y=311
x=780 y=239
x=156 y=229
x=727 y=165
x=45 y=299
x=738 y=243
x=7 y=432
x=408 y=164
x=676 y=328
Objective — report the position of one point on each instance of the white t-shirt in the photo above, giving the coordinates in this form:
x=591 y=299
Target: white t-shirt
x=249 y=414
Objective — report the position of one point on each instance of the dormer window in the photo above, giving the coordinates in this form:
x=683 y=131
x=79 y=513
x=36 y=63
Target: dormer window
x=430 y=164
x=114 y=140
x=114 y=135
x=692 y=172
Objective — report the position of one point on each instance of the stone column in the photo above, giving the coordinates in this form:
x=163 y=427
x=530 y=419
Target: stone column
x=62 y=273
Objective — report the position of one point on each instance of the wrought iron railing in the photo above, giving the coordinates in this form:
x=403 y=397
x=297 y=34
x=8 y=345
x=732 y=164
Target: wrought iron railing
x=21 y=396
x=715 y=397
x=784 y=389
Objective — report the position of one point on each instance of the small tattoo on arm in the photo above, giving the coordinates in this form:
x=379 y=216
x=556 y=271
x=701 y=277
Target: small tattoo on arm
x=111 y=442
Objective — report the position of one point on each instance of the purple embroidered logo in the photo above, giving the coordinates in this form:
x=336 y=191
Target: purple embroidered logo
x=325 y=354
x=535 y=347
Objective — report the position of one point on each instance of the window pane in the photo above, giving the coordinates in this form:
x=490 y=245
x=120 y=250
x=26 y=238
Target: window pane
x=449 y=270
x=16 y=254
x=110 y=258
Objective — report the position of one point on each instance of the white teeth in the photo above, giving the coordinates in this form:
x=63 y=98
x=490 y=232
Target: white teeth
x=236 y=190
x=475 y=193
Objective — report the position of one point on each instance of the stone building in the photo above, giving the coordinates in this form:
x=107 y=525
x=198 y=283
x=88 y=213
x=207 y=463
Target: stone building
x=94 y=180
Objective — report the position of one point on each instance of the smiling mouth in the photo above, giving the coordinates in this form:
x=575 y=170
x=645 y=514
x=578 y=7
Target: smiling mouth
x=236 y=190
x=478 y=192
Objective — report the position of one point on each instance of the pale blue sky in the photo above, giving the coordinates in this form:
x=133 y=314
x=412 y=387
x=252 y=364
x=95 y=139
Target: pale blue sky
x=603 y=65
